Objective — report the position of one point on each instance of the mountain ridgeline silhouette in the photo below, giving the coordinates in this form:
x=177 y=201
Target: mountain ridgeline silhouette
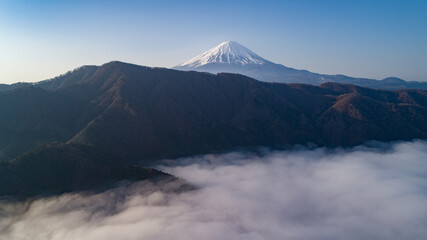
x=120 y=113
x=232 y=57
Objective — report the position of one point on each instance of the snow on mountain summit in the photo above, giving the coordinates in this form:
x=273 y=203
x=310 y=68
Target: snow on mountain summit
x=227 y=52
x=231 y=57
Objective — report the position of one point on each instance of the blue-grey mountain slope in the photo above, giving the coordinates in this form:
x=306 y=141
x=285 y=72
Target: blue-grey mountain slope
x=234 y=58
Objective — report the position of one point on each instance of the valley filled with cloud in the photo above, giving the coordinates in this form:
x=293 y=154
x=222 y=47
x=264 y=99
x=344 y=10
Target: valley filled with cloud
x=366 y=192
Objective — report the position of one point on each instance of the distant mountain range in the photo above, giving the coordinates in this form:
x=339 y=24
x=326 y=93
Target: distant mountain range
x=104 y=118
x=234 y=58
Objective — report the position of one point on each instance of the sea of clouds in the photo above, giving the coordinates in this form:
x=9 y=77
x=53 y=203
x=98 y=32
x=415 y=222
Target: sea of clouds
x=359 y=193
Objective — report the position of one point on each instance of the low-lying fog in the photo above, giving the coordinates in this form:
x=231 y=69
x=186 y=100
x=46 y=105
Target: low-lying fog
x=360 y=193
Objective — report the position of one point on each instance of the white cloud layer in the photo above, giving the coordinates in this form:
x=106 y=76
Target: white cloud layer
x=360 y=193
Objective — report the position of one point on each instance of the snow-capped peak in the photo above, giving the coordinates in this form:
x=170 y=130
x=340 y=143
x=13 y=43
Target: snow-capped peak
x=227 y=52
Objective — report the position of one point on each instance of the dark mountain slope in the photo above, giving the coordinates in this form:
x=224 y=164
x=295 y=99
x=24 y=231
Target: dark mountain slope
x=164 y=113
x=382 y=116
x=136 y=112
x=63 y=80
x=156 y=113
x=30 y=116
x=72 y=77
x=117 y=113
x=7 y=87
x=57 y=168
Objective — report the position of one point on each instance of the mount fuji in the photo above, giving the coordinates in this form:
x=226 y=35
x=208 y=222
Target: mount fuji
x=232 y=57
x=227 y=52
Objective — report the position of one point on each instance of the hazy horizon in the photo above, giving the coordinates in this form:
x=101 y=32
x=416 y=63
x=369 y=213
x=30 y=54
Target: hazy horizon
x=371 y=39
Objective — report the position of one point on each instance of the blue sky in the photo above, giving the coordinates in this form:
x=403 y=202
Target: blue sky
x=376 y=39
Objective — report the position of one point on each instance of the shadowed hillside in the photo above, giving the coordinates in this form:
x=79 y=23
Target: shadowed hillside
x=138 y=112
x=56 y=168
x=126 y=112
